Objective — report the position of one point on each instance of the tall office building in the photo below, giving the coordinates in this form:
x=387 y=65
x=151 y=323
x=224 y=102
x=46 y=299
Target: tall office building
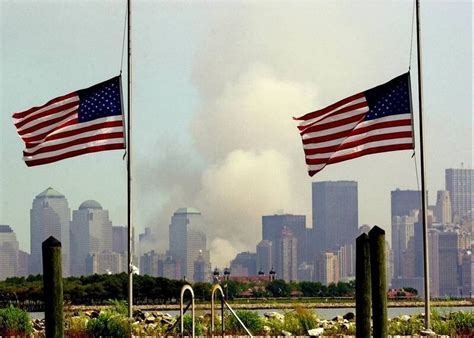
x=460 y=184
x=327 y=268
x=49 y=216
x=404 y=201
x=91 y=234
x=448 y=263
x=244 y=264
x=8 y=252
x=335 y=214
x=151 y=264
x=187 y=240
x=442 y=210
x=286 y=254
x=272 y=227
x=264 y=256
x=120 y=239
x=402 y=232
x=467 y=274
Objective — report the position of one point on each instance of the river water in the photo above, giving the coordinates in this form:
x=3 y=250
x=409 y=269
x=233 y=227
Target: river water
x=330 y=313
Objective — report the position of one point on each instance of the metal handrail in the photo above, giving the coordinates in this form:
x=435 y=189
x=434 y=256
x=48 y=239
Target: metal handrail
x=181 y=307
x=216 y=287
x=223 y=302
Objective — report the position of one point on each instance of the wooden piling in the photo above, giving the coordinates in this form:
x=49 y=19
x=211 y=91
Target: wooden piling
x=379 y=282
x=363 y=287
x=53 y=288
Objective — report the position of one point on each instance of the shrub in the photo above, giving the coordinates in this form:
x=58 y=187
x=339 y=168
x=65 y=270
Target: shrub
x=408 y=327
x=14 y=321
x=251 y=320
x=109 y=324
x=76 y=326
x=188 y=322
x=463 y=322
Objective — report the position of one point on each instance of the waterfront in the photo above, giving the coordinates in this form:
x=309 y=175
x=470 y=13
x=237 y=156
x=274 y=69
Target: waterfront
x=324 y=313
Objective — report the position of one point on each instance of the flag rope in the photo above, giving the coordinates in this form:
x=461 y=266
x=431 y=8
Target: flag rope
x=123 y=37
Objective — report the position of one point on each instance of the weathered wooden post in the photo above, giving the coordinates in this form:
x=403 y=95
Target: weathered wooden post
x=53 y=288
x=363 y=289
x=379 y=282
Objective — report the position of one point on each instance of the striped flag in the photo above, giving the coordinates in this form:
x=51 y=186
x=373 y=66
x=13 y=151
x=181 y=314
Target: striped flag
x=374 y=121
x=85 y=121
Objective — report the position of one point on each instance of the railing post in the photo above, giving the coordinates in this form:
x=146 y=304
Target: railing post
x=214 y=289
x=379 y=282
x=53 y=288
x=363 y=288
x=181 y=308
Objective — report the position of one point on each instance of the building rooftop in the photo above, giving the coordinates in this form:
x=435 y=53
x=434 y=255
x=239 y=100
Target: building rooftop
x=90 y=204
x=51 y=193
x=187 y=211
x=5 y=228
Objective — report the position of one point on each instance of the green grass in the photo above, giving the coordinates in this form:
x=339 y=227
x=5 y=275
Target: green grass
x=14 y=321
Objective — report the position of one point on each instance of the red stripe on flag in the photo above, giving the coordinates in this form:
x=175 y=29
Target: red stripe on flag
x=45 y=113
x=326 y=110
x=20 y=115
x=104 y=147
x=78 y=141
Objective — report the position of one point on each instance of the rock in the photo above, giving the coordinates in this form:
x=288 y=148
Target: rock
x=275 y=315
x=405 y=318
x=427 y=332
x=150 y=319
x=316 y=332
x=337 y=319
x=349 y=316
x=286 y=333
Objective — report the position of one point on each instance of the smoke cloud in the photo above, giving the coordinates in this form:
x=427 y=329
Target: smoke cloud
x=253 y=72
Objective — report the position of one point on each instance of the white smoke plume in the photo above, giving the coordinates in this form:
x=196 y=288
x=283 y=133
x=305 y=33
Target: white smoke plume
x=257 y=68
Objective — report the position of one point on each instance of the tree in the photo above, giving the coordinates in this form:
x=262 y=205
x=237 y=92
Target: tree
x=279 y=288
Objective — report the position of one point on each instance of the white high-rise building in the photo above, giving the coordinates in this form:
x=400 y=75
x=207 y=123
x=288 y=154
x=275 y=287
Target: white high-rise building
x=187 y=240
x=442 y=210
x=402 y=232
x=8 y=252
x=91 y=234
x=49 y=216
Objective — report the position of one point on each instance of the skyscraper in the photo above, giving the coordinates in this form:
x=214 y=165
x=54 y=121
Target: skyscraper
x=8 y=252
x=443 y=212
x=327 y=268
x=49 y=216
x=272 y=227
x=264 y=256
x=244 y=264
x=402 y=231
x=460 y=184
x=404 y=201
x=335 y=214
x=286 y=253
x=187 y=240
x=120 y=240
x=448 y=263
x=91 y=234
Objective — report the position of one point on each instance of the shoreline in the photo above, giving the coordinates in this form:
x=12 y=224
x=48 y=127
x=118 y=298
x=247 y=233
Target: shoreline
x=276 y=305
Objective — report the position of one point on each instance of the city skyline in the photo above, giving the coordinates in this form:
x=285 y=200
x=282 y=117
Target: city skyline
x=212 y=120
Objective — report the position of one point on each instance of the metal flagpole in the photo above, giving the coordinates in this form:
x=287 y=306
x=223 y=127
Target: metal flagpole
x=129 y=167
x=423 y=180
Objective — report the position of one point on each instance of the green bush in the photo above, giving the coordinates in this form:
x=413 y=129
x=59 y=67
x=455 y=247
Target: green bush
x=14 y=321
x=109 y=324
x=463 y=322
x=251 y=320
x=188 y=322
x=408 y=327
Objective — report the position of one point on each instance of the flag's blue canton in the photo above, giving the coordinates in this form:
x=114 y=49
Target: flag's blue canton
x=391 y=98
x=101 y=100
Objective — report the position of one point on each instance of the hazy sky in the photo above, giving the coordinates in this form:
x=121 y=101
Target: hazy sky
x=215 y=86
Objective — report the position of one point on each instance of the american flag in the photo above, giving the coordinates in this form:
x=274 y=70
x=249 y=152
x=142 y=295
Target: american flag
x=374 y=121
x=85 y=121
